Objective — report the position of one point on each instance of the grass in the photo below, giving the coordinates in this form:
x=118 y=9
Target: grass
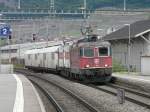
x=118 y=67
x=18 y=66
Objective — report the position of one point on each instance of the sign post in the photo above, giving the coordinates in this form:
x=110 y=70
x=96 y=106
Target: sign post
x=121 y=96
x=5 y=33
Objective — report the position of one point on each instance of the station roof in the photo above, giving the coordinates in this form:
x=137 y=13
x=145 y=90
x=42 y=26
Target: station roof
x=33 y=45
x=137 y=29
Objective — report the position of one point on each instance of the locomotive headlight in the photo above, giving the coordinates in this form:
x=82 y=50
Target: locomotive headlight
x=87 y=66
x=106 y=65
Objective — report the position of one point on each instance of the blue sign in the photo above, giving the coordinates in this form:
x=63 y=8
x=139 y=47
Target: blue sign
x=5 y=31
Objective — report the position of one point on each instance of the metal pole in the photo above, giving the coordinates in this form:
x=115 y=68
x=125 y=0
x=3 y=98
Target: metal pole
x=129 y=49
x=124 y=5
x=52 y=7
x=9 y=41
x=19 y=4
x=0 y=58
x=47 y=31
x=85 y=7
x=19 y=44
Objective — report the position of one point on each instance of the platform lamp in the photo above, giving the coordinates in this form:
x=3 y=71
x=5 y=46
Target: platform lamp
x=129 y=46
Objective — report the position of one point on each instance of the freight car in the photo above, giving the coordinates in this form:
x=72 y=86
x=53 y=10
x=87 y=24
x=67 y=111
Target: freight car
x=86 y=61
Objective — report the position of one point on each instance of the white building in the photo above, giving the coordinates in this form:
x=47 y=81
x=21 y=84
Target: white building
x=16 y=52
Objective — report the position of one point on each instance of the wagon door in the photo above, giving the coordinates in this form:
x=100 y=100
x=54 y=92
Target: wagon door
x=67 y=56
x=61 y=57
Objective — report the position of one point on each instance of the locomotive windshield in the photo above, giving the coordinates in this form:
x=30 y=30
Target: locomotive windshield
x=103 y=51
x=87 y=52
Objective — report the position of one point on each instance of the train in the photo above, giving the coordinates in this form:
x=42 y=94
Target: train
x=85 y=60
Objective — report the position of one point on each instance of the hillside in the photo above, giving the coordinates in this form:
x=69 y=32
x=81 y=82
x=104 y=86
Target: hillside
x=75 y=4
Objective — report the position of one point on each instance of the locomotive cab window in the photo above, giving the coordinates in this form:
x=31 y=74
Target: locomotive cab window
x=88 y=52
x=103 y=51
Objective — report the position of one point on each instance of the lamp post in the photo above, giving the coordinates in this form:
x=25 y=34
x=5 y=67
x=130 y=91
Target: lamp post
x=19 y=35
x=47 y=31
x=124 y=5
x=129 y=46
x=85 y=7
x=0 y=47
x=19 y=4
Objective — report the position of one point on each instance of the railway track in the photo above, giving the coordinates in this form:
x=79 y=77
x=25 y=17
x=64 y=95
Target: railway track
x=49 y=97
x=138 y=97
x=134 y=96
x=61 y=95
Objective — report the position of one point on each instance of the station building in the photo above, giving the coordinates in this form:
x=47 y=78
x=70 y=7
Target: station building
x=139 y=35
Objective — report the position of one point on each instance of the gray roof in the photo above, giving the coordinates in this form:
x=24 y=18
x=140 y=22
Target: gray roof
x=138 y=28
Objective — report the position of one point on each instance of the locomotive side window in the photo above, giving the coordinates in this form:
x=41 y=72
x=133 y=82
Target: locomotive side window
x=81 y=52
x=103 y=51
x=88 y=52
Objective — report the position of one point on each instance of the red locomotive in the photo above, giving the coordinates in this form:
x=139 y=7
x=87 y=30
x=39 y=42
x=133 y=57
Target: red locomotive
x=86 y=60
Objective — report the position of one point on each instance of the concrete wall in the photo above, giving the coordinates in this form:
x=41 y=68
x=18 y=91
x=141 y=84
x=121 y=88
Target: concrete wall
x=120 y=52
x=6 y=69
x=145 y=63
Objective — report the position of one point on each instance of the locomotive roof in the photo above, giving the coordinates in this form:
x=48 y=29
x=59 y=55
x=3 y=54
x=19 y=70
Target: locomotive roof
x=42 y=50
x=94 y=44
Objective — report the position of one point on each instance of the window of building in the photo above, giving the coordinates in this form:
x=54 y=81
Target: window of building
x=9 y=51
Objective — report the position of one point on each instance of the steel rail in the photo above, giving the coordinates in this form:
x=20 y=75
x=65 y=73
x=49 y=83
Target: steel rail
x=81 y=100
x=143 y=94
x=49 y=96
x=126 y=97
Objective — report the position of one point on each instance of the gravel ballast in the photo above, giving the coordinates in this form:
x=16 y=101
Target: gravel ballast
x=101 y=100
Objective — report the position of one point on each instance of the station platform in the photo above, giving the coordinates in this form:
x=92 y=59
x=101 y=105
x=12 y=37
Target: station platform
x=17 y=94
x=133 y=80
x=133 y=76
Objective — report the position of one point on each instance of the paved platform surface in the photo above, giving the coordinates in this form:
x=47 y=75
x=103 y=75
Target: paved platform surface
x=133 y=76
x=17 y=94
x=133 y=80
